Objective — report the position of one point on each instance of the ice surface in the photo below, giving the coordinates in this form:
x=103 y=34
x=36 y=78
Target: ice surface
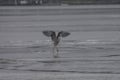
x=91 y=52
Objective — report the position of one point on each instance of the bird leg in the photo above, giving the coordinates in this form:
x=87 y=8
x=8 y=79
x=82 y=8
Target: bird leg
x=55 y=52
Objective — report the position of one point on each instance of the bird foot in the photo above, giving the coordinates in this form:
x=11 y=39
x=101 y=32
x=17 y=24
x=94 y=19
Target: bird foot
x=55 y=56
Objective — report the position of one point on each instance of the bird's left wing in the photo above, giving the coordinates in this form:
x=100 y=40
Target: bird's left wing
x=48 y=33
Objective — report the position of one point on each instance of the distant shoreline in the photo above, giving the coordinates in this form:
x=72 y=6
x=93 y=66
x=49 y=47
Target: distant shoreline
x=61 y=7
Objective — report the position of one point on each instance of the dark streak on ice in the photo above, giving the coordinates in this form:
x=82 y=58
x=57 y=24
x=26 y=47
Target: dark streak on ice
x=84 y=72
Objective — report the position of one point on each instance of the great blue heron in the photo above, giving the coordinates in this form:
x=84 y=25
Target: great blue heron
x=55 y=37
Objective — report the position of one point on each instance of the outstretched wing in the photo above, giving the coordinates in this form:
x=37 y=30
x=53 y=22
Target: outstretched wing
x=48 y=33
x=63 y=34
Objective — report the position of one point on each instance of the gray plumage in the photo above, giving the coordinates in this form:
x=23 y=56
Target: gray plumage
x=56 y=37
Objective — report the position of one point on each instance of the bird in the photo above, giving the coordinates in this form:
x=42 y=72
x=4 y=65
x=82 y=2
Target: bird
x=55 y=37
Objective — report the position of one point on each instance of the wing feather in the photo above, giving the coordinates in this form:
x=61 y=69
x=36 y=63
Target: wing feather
x=63 y=34
x=48 y=33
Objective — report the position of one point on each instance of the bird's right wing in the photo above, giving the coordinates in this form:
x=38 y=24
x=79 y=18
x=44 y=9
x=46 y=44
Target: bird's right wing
x=48 y=33
x=63 y=34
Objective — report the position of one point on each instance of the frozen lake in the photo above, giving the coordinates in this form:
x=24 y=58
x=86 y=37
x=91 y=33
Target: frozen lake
x=91 y=52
